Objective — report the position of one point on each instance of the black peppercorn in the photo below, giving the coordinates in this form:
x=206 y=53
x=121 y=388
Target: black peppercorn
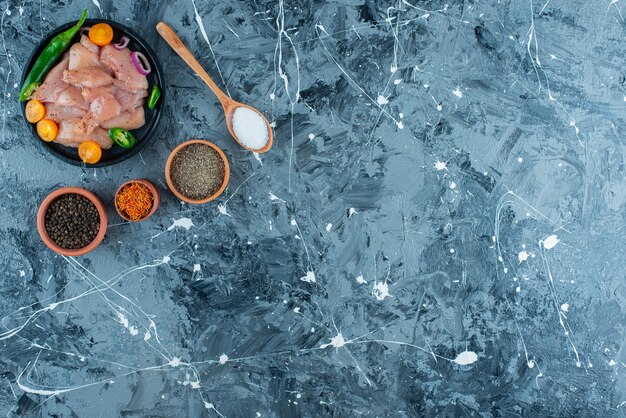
x=72 y=221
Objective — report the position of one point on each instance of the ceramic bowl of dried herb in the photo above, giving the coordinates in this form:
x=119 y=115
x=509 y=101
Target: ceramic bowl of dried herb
x=197 y=171
x=136 y=200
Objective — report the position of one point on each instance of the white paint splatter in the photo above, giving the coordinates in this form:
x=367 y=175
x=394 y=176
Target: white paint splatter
x=309 y=278
x=337 y=341
x=465 y=358
x=382 y=100
x=97 y=4
x=360 y=280
x=222 y=209
x=182 y=222
x=458 y=93
x=328 y=227
x=124 y=321
x=223 y=359
x=380 y=290
x=522 y=256
x=440 y=165
x=550 y=242
x=274 y=197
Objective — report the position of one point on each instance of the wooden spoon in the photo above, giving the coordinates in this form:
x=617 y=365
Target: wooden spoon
x=228 y=104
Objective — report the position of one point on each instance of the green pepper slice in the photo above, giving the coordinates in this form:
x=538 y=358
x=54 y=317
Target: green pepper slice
x=48 y=57
x=122 y=137
x=154 y=97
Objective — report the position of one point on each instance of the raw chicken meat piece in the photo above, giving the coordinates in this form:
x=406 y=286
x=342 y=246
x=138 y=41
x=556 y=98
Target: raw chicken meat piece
x=59 y=113
x=131 y=119
x=53 y=84
x=70 y=136
x=72 y=96
x=86 y=42
x=127 y=76
x=103 y=108
x=92 y=94
x=82 y=57
x=127 y=99
x=130 y=100
x=94 y=76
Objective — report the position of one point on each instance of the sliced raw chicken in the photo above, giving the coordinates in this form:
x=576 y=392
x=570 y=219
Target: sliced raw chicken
x=82 y=57
x=70 y=136
x=72 y=96
x=103 y=108
x=86 y=42
x=88 y=77
x=130 y=119
x=127 y=76
x=53 y=84
x=92 y=94
x=59 y=113
x=128 y=100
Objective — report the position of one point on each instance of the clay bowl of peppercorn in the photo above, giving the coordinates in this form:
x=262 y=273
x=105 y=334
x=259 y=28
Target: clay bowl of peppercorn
x=197 y=171
x=136 y=200
x=72 y=221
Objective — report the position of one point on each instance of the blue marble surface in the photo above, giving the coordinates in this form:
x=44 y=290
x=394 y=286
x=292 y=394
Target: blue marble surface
x=437 y=231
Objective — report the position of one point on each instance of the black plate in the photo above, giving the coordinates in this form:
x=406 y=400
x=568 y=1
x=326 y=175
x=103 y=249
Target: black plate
x=144 y=134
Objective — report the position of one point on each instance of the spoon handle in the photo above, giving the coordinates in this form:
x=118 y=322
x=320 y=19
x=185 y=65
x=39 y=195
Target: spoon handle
x=179 y=47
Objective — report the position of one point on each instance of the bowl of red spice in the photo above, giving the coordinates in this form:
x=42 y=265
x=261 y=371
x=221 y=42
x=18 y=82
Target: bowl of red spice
x=72 y=221
x=136 y=200
x=197 y=171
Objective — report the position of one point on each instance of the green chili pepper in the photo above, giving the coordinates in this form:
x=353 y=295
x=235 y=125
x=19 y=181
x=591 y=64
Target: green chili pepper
x=48 y=57
x=122 y=137
x=154 y=97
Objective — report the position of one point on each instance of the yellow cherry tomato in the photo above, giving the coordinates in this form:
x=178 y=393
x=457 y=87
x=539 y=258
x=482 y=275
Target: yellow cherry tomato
x=101 y=34
x=90 y=152
x=47 y=130
x=35 y=111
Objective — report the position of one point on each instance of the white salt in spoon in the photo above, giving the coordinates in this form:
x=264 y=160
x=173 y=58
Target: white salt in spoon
x=240 y=118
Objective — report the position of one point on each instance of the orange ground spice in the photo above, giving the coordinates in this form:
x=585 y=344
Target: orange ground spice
x=135 y=201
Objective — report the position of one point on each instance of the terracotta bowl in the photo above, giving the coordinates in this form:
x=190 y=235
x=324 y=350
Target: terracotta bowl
x=41 y=218
x=155 y=196
x=168 y=177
